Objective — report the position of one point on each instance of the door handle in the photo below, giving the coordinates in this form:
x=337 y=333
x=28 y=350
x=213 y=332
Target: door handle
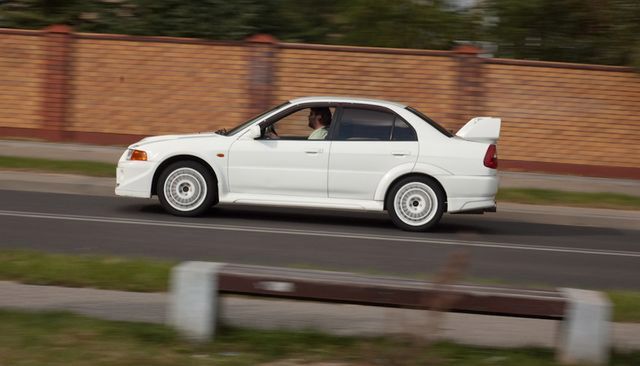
x=400 y=153
x=313 y=151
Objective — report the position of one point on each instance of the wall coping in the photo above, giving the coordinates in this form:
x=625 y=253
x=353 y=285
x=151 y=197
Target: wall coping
x=556 y=64
x=21 y=32
x=155 y=39
x=380 y=50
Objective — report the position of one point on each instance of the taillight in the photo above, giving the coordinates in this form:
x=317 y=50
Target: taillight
x=491 y=157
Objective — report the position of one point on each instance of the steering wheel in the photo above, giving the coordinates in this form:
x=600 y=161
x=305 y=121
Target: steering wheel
x=269 y=131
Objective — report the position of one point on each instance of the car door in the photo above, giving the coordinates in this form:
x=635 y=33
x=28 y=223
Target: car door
x=291 y=165
x=367 y=143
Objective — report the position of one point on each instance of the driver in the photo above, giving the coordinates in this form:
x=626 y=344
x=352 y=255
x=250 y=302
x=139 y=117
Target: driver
x=319 y=121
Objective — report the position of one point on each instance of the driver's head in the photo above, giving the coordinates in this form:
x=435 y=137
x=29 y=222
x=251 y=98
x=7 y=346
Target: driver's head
x=320 y=116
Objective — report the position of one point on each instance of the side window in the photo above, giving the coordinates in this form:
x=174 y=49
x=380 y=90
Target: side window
x=365 y=124
x=403 y=132
x=295 y=126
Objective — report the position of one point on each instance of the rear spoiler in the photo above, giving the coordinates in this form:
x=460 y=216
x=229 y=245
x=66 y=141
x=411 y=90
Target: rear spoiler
x=481 y=129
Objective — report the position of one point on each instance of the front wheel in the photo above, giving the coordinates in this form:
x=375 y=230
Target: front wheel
x=415 y=203
x=186 y=188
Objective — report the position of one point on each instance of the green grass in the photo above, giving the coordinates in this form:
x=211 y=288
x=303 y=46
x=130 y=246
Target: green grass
x=626 y=306
x=562 y=198
x=56 y=338
x=102 y=272
x=147 y=275
x=90 y=168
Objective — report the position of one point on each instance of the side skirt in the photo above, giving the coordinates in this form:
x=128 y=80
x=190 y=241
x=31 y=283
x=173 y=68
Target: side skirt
x=296 y=201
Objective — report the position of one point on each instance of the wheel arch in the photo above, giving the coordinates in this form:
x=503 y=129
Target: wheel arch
x=415 y=174
x=183 y=157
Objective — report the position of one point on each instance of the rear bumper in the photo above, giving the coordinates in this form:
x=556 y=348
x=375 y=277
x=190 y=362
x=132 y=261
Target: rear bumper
x=474 y=204
x=470 y=193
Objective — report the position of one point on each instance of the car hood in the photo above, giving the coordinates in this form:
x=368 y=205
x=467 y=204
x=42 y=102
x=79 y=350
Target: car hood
x=162 y=138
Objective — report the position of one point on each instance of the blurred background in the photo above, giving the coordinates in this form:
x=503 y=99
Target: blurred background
x=562 y=74
x=559 y=73
x=594 y=31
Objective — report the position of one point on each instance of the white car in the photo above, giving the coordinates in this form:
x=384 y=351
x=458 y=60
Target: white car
x=372 y=155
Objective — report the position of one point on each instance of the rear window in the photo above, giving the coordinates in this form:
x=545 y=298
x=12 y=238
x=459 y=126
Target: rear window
x=403 y=132
x=433 y=123
x=365 y=124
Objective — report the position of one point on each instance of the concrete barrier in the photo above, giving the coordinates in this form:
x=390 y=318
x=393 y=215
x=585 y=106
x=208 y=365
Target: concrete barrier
x=585 y=330
x=196 y=286
x=193 y=305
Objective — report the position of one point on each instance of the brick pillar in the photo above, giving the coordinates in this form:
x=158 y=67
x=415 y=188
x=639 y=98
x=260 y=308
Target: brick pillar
x=470 y=85
x=261 y=71
x=56 y=84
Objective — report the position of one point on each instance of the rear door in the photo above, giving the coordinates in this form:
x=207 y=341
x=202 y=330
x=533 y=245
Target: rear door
x=367 y=143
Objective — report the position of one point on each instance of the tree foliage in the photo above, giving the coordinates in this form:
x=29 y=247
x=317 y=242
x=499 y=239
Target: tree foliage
x=594 y=31
x=590 y=31
x=407 y=24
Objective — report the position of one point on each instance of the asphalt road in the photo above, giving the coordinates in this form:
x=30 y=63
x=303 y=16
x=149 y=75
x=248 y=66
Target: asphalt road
x=536 y=249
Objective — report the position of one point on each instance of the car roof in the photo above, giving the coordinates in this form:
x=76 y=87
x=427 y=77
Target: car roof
x=332 y=99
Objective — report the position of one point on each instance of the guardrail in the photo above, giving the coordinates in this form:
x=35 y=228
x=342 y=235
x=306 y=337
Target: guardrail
x=196 y=286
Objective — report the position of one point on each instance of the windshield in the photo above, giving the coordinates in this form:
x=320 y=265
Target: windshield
x=433 y=123
x=236 y=129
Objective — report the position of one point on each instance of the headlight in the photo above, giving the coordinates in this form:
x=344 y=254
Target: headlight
x=133 y=154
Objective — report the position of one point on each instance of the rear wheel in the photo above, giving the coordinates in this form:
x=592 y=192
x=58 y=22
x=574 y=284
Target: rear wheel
x=186 y=188
x=415 y=203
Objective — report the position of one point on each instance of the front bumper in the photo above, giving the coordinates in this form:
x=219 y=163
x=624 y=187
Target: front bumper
x=134 y=178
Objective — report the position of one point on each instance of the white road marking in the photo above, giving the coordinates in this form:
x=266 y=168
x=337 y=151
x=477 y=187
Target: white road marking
x=331 y=234
x=630 y=216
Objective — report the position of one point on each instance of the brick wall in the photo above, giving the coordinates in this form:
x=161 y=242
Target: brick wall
x=568 y=115
x=426 y=81
x=147 y=88
x=22 y=61
x=54 y=84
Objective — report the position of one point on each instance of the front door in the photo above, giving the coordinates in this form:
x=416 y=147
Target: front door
x=289 y=164
x=280 y=167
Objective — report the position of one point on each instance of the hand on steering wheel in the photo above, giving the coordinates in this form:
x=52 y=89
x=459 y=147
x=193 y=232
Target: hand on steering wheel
x=270 y=133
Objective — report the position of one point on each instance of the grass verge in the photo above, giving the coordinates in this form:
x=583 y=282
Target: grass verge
x=562 y=198
x=103 y=272
x=146 y=275
x=90 y=168
x=626 y=306
x=70 y=340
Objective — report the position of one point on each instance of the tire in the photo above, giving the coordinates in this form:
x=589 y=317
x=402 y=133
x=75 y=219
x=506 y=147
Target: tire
x=186 y=188
x=415 y=203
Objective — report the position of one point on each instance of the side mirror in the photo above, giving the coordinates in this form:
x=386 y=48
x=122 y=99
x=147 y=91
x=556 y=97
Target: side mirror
x=252 y=133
